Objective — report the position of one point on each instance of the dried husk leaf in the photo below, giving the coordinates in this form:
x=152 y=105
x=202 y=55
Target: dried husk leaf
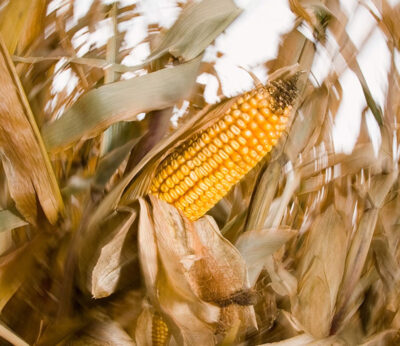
x=388 y=269
x=264 y=194
x=255 y=246
x=313 y=304
x=283 y=282
x=327 y=241
x=144 y=327
x=307 y=123
x=106 y=272
x=355 y=262
x=9 y=221
x=198 y=267
x=100 y=108
x=25 y=162
x=380 y=186
x=147 y=250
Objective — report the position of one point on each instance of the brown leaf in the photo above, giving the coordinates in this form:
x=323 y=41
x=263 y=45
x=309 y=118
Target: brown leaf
x=27 y=167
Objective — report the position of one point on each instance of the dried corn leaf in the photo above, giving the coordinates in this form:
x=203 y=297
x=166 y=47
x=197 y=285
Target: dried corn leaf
x=16 y=266
x=9 y=221
x=21 y=22
x=388 y=269
x=380 y=186
x=7 y=334
x=355 y=261
x=327 y=241
x=302 y=339
x=109 y=163
x=307 y=122
x=27 y=167
x=265 y=191
x=256 y=246
x=387 y=337
x=198 y=267
x=188 y=317
x=102 y=332
x=106 y=272
x=198 y=25
x=312 y=306
x=118 y=101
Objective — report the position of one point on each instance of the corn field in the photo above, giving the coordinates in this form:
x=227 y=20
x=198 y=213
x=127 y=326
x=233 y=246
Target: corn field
x=135 y=209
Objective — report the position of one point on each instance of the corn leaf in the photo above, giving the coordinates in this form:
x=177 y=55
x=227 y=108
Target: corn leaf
x=118 y=101
x=9 y=221
x=198 y=25
x=27 y=167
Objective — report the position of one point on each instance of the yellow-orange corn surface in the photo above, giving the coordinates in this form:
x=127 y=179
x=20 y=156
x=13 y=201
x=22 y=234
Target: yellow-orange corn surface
x=159 y=331
x=198 y=173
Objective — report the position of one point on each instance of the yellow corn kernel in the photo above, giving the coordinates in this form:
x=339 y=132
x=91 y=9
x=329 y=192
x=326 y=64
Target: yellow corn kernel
x=204 y=168
x=159 y=331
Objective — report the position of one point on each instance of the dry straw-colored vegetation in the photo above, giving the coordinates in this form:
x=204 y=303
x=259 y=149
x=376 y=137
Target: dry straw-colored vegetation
x=304 y=250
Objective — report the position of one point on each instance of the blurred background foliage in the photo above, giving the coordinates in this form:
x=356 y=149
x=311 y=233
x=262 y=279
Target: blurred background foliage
x=90 y=103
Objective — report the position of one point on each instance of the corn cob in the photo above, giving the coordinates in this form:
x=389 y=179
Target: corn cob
x=203 y=169
x=159 y=331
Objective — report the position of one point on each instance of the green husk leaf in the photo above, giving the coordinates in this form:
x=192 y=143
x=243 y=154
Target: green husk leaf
x=118 y=101
x=199 y=24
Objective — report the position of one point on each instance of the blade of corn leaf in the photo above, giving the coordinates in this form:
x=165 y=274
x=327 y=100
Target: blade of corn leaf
x=92 y=62
x=9 y=221
x=198 y=25
x=348 y=51
x=25 y=161
x=21 y=22
x=118 y=101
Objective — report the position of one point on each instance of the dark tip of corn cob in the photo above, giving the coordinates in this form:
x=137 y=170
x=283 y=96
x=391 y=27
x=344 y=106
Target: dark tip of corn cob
x=203 y=169
x=283 y=92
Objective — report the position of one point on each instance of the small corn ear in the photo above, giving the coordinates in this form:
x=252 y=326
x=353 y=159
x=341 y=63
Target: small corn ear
x=159 y=331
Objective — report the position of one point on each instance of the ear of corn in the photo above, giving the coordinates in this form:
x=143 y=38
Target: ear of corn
x=204 y=168
x=159 y=331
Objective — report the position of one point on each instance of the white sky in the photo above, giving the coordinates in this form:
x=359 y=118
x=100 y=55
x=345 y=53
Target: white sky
x=249 y=41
